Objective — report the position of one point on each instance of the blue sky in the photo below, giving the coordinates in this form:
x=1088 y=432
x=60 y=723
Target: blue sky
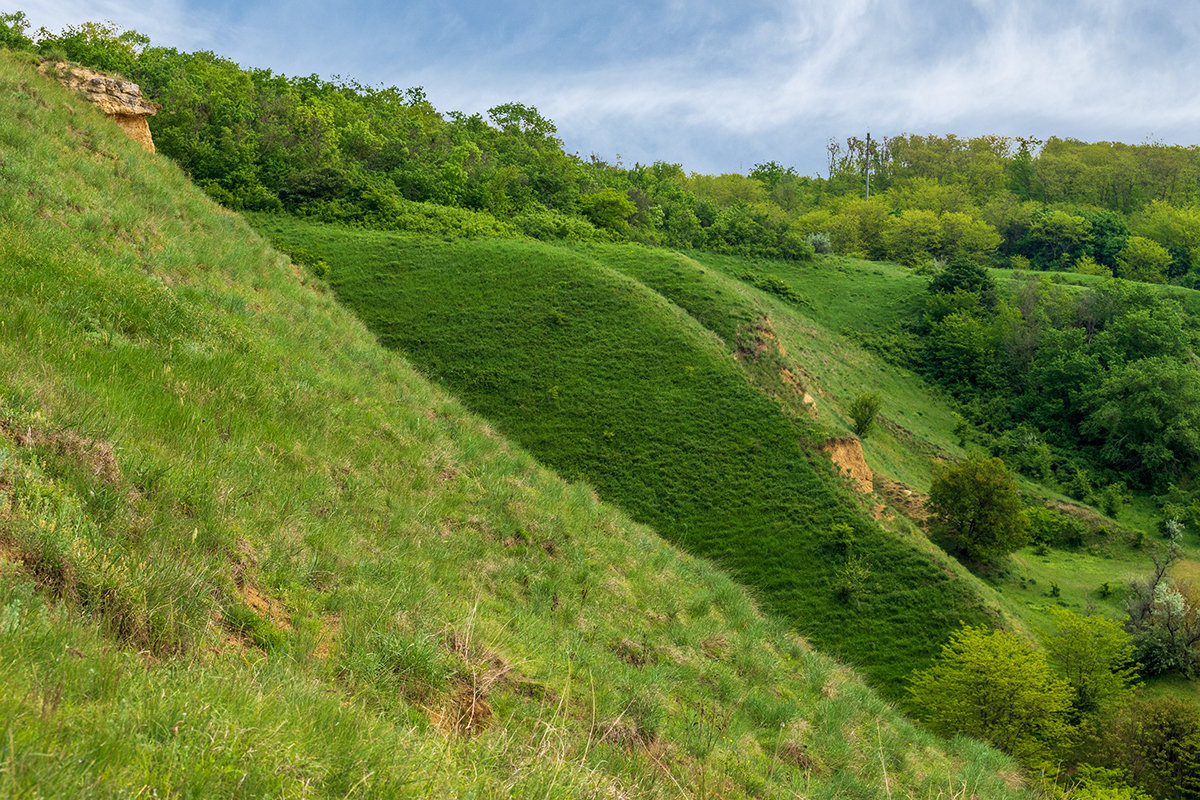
x=720 y=86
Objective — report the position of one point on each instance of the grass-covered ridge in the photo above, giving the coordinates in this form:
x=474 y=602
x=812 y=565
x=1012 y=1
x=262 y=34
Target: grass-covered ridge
x=245 y=551
x=606 y=380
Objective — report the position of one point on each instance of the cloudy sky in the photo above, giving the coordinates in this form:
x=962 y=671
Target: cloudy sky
x=720 y=86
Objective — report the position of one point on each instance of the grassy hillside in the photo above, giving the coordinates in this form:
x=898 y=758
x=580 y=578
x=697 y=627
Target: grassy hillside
x=247 y=552
x=817 y=314
x=823 y=326
x=607 y=381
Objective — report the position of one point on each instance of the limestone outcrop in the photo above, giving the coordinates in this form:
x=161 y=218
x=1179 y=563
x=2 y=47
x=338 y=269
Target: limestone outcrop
x=121 y=100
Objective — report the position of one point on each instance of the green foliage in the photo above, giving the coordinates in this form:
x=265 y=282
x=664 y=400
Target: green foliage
x=609 y=209
x=1086 y=265
x=1095 y=656
x=13 y=26
x=852 y=578
x=549 y=226
x=261 y=141
x=1026 y=451
x=1164 y=619
x=863 y=411
x=964 y=274
x=775 y=286
x=1098 y=783
x=960 y=349
x=1114 y=497
x=1146 y=416
x=1156 y=742
x=1143 y=260
x=102 y=45
x=977 y=510
x=912 y=237
x=841 y=537
x=1052 y=529
x=1055 y=239
x=993 y=686
x=820 y=242
x=1174 y=228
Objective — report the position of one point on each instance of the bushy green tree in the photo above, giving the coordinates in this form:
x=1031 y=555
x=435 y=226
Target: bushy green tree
x=965 y=274
x=1094 y=655
x=966 y=236
x=1175 y=228
x=960 y=349
x=1055 y=239
x=976 y=509
x=102 y=45
x=1144 y=260
x=1156 y=741
x=1144 y=416
x=991 y=685
x=12 y=31
x=912 y=237
x=609 y=209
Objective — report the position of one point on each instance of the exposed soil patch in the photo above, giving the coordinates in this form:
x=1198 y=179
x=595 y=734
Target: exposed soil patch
x=331 y=628
x=908 y=502
x=756 y=341
x=847 y=455
x=466 y=714
x=797 y=755
x=267 y=607
x=757 y=338
x=98 y=456
x=626 y=733
x=632 y=653
x=9 y=551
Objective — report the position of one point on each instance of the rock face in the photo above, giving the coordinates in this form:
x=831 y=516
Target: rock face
x=121 y=100
x=847 y=455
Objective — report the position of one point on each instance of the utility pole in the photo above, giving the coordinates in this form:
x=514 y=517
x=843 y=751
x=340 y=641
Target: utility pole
x=868 y=165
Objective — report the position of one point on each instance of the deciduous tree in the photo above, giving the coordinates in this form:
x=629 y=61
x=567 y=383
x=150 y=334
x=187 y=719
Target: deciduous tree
x=977 y=510
x=993 y=686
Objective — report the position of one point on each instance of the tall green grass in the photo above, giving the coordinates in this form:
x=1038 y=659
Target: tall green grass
x=247 y=552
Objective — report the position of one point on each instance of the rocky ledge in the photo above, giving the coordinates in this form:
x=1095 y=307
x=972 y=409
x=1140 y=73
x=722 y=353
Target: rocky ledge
x=121 y=100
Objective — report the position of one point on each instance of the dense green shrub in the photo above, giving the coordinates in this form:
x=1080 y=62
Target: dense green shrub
x=863 y=411
x=976 y=509
x=993 y=686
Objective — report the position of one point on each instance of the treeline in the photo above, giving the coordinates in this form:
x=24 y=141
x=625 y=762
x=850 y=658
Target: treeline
x=1084 y=387
x=340 y=151
x=383 y=157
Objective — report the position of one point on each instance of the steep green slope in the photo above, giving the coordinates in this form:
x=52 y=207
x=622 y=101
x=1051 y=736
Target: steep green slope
x=606 y=381
x=820 y=313
x=837 y=305
x=246 y=552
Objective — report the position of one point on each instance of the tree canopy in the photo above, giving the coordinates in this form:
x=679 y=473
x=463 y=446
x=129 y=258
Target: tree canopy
x=977 y=510
x=991 y=685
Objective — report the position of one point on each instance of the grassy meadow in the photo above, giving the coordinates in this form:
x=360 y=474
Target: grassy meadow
x=245 y=551
x=606 y=380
